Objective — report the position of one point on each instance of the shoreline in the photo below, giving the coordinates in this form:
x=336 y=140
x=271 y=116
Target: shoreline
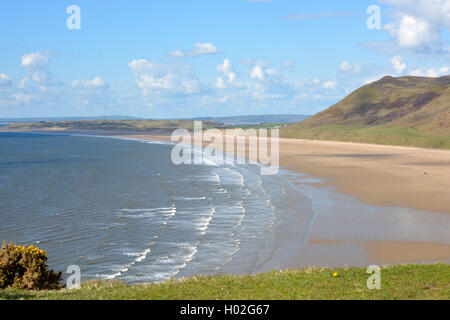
x=400 y=176
x=331 y=168
x=333 y=249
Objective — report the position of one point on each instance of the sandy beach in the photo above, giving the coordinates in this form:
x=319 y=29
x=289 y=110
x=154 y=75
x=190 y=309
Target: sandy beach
x=390 y=204
x=376 y=174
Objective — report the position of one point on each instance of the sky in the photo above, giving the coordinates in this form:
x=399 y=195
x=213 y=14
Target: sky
x=188 y=58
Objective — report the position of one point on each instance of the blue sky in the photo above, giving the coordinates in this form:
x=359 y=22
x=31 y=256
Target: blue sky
x=165 y=59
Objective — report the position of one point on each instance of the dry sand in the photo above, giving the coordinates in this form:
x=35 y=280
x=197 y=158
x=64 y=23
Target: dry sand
x=378 y=175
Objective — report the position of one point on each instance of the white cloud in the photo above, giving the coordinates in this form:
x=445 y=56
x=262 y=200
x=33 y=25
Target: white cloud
x=152 y=76
x=262 y=72
x=257 y=73
x=36 y=60
x=349 y=68
x=330 y=84
x=4 y=80
x=199 y=49
x=37 y=66
x=434 y=11
x=176 y=54
x=418 y=24
x=432 y=72
x=412 y=32
x=21 y=98
x=204 y=48
x=220 y=84
x=227 y=69
x=95 y=83
x=398 y=64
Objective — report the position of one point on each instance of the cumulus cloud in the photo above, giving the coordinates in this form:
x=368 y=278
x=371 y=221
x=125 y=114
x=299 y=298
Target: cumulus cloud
x=152 y=76
x=257 y=73
x=398 y=64
x=413 y=32
x=418 y=24
x=36 y=60
x=199 y=49
x=220 y=84
x=95 y=83
x=346 y=67
x=231 y=76
x=330 y=84
x=261 y=72
x=37 y=65
x=432 y=72
x=4 y=80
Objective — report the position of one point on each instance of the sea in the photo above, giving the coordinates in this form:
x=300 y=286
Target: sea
x=120 y=209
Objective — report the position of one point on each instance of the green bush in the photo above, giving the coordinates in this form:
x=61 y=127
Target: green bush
x=25 y=268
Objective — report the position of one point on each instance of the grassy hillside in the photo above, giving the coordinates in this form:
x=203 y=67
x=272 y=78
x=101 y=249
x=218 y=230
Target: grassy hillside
x=397 y=282
x=257 y=119
x=411 y=111
x=125 y=125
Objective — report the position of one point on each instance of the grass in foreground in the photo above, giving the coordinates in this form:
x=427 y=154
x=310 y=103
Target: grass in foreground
x=397 y=282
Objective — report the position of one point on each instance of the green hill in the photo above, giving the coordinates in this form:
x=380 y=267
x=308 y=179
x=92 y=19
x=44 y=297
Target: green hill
x=411 y=111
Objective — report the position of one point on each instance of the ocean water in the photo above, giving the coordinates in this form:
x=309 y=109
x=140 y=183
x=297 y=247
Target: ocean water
x=120 y=209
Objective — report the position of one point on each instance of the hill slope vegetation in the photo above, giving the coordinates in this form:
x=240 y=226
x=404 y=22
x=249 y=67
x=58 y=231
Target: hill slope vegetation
x=412 y=111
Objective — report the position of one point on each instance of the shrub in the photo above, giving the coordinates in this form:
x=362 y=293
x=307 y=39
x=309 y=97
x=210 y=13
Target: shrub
x=25 y=268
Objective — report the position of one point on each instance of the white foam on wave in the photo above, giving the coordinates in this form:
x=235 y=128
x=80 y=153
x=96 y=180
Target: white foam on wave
x=188 y=198
x=191 y=251
x=213 y=177
x=175 y=262
x=147 y=209
x=209 y=162
x=168 y=212
x=230 y=176
x=204 y=222
x=242 y=216
x=140 y=256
